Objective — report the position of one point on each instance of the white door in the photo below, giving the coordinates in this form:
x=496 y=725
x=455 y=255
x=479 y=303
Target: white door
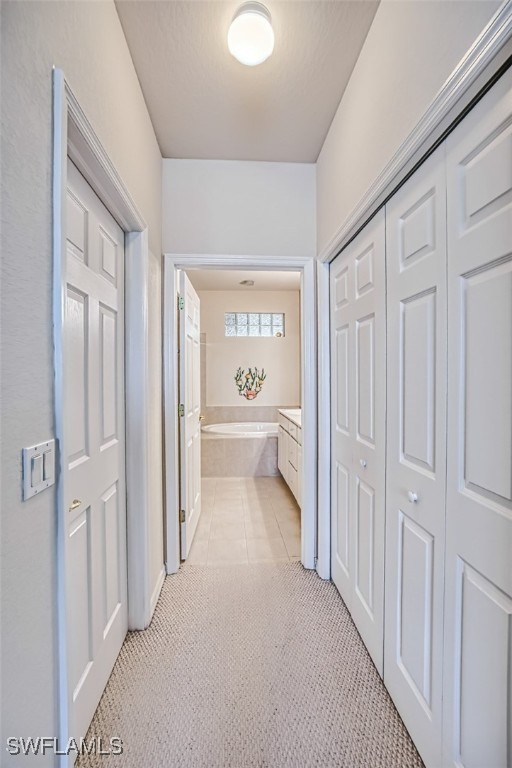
x=416 y=452
x=358 y=396
x=190 y=405
x=94 y=462
x=478 y=617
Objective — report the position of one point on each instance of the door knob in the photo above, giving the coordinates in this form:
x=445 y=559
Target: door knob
x=363 y=463
x=202 y=418
x=74 y=504
x=412 y=496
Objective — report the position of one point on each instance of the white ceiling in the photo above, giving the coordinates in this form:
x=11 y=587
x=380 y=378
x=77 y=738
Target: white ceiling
x=229 y=280
x=205 y=104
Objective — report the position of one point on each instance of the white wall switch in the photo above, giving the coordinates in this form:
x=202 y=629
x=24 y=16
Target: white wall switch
x=38 y=468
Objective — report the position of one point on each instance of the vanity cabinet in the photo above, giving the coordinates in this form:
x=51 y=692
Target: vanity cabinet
x=289 y=450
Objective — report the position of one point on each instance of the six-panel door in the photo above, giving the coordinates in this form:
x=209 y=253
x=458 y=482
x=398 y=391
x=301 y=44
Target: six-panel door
x=358 y=376
x=416 y=452
x=190 y=423
x=478 y=617
x=93 y=357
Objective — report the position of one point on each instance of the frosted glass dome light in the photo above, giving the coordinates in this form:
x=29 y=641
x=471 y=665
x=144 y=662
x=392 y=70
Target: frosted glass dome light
x=250 y=36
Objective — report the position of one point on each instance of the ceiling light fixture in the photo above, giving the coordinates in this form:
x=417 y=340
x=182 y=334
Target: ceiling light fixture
x=250 y=36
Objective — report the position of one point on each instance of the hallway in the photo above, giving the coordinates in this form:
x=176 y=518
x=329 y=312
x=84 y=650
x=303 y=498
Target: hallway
x=249 y=666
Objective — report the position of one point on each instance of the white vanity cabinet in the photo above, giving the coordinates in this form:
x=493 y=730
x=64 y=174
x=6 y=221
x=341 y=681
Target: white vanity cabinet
x=289 y=450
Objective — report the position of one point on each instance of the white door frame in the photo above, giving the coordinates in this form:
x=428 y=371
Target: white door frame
x=307 y=266
x=74 y=136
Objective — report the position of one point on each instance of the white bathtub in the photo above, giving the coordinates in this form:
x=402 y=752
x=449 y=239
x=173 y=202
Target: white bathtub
x=244 y=429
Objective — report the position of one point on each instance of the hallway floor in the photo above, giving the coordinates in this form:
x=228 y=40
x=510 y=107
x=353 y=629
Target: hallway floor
x=255 y=665
x=246 y=519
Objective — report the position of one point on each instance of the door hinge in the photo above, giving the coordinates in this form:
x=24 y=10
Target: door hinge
x=181 y=409
x=181 y=302
x=182 y=516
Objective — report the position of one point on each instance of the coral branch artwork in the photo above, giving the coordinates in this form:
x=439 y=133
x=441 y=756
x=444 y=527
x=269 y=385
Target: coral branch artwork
x=249 y=384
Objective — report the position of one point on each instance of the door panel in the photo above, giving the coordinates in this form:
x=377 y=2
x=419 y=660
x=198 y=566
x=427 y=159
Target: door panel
x=342 y=542
x=108 y=362
x=80 y=613
x=415 y=589
x=478 y=612
x=487 y=314
x=485 y=640
x=417 y=363
x=365 y=527
x=190 y=425
x=75 y=362
x=365 y=352
x=342 y=372
x=112 y=590
x=416 y=455
x=96 y=590
x=358 y=430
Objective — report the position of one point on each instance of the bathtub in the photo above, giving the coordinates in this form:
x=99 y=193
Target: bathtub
x=243 y=429
x=240 y=449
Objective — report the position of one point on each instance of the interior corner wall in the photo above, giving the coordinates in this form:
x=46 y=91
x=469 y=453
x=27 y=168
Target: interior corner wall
x=86 y=40
x=239 y=208
x=279 y=357
x=410 y=51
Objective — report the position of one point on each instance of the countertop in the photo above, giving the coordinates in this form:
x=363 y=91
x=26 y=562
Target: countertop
x=293 y=414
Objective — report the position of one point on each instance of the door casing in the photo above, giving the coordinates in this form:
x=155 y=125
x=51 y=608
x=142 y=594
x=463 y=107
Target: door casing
x=307 y=267
x=74 y=136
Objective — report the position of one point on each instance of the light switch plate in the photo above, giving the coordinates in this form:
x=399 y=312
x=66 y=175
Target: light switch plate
x=44 y=455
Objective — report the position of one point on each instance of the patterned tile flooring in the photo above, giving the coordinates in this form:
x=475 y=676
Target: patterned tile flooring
x=246 y=520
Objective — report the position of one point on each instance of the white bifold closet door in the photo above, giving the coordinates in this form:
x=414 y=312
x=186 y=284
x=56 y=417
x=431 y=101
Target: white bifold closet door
x=478 y=617
x=416 y=452
x=358 y=381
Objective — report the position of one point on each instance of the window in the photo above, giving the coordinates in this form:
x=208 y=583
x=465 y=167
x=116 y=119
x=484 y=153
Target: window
x=254 y=324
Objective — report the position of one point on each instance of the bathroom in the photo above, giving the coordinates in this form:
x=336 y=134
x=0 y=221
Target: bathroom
x=250 y=386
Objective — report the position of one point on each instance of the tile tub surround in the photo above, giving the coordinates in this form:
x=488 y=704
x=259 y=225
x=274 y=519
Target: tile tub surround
x=246 y=520
x=223 y=456
x=222 y=414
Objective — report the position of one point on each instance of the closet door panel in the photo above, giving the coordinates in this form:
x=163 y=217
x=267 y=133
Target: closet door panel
x=343 y=422
x=478 y=617
x=416 y=454
x=358 y=345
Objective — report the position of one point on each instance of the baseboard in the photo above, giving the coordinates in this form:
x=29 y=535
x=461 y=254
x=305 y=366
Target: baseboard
x=156 y=592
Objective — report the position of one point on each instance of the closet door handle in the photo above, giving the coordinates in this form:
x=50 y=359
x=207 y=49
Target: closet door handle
x=412 y=496
x=363 y=463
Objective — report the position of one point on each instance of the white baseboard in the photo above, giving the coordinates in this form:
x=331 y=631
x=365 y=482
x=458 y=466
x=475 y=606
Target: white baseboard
x=156 y=592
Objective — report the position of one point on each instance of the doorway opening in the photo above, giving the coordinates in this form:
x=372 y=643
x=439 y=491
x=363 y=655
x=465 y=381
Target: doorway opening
x=240 y=411
x=249 y=423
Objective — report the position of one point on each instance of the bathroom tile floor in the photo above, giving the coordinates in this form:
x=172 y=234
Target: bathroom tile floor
x=246 y=520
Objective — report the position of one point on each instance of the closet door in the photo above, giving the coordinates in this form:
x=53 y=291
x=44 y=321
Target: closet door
x=358 y=354
x=478 y=617
x=416 y=455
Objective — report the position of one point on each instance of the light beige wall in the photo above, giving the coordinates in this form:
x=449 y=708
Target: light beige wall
x=85 y=39
x=233 y=207
x=411 y=49
x=280 y=357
